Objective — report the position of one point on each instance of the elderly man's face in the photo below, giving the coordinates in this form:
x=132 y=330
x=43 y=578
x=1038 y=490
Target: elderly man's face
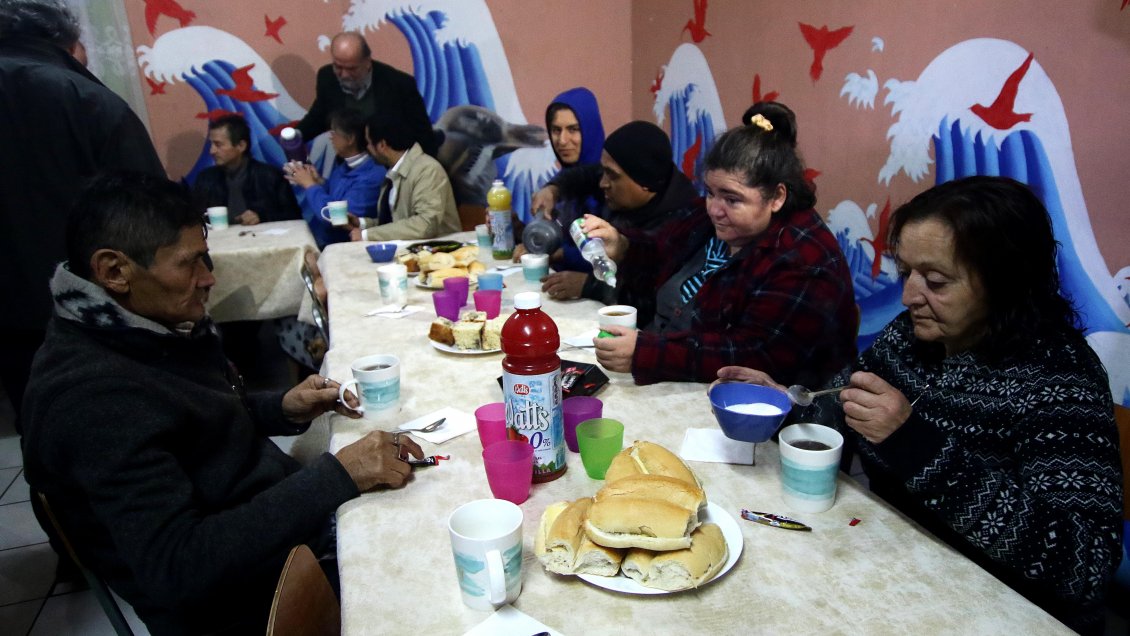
x=350 y=66
x=174 y=288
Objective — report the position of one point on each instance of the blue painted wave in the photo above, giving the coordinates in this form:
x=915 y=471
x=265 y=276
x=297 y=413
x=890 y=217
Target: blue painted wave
x=686 y=129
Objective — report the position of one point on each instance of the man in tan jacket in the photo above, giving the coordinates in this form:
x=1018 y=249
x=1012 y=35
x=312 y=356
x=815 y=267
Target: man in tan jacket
x=416 y=200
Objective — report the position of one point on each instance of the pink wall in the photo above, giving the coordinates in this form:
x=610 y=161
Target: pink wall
x=1082 y=45
x=551 y=45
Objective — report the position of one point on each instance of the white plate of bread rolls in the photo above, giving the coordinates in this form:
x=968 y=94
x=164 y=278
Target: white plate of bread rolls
x=434 y=267
x=649 y=530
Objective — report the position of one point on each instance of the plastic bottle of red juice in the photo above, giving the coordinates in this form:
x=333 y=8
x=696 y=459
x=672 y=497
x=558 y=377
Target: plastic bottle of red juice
x=531 y=384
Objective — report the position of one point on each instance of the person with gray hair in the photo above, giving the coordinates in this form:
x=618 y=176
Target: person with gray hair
x=355 y=80
x=59 y=125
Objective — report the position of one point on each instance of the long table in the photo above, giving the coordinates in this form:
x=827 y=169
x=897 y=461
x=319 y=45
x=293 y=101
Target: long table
x=881 y=576
x=257 y=271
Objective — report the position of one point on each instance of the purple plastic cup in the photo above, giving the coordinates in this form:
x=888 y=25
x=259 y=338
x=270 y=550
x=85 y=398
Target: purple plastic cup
x=447 y=305
x=576 y=410
x=490 y=301
x=491 y=421
x=457 y=286
x=510 y=469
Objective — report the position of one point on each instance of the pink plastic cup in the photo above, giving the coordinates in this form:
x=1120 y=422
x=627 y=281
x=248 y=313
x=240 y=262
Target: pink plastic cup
x=490 y=301
x=491 y=420
x=576 y=410
x=510 y=469
x=447 y=305
x=457 y=286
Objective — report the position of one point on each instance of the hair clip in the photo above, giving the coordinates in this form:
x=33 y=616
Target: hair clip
x=760 y=121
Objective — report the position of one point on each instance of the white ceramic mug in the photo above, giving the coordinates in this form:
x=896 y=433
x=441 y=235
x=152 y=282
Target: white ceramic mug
x=336 y=212
x=486 y=541
x=619 y=315
x=377 y=379
x=393 y=280
x=808 y=476
x=218 y=217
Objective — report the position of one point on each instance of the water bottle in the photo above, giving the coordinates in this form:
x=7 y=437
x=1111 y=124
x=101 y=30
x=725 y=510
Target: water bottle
x=501 y=227
x=291 y=141
x=592 y=249
x=531 y=384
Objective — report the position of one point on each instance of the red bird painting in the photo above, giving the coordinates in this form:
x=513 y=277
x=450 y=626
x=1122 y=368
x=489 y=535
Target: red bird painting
x=215 y=114
x=156 y=8
x=243 y=90
x=155 y=87
x=880 y=241
x=657 y=83
x=697 y=26
x=1001 y=114
x=757 y=96
x=1124 y=3
x=810 y=175
x=821 y=40
x=273 y=27
x=690 y=156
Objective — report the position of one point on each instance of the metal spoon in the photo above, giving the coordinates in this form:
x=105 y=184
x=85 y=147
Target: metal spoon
x=802 y=396
x=426 y=429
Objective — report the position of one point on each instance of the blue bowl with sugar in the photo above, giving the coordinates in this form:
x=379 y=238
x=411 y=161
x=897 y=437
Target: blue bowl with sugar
x=381 y=252
x=749 y=412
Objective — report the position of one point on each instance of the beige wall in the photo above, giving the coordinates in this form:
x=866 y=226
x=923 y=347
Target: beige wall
x=1084 y=46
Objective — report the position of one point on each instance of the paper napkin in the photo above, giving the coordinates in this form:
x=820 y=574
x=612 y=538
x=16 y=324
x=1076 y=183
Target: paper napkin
x=508 y=621
x=506 y=270
x=458 y=423
x=711 y=445
x=583 y=340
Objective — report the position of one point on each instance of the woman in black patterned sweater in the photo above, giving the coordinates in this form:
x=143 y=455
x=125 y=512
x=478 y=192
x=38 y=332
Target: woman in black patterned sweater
x=981 y=412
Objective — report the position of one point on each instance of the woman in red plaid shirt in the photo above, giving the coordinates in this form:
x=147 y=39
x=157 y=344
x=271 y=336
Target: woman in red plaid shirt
x=755 y=279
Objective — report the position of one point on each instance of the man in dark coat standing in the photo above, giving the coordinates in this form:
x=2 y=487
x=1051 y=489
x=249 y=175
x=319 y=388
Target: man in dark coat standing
x=355 y=80
x=58 y=126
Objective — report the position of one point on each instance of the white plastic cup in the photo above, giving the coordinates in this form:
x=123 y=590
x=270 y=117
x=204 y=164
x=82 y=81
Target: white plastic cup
x=377 y=379
x=218 y=217
x=808 y=477
x=393 y=280
x=618 y=315
x=535 y=267
x=336 y=212
x=486 y=542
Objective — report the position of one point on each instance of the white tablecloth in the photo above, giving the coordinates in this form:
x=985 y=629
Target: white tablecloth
x=881 y=576
x=257 y=270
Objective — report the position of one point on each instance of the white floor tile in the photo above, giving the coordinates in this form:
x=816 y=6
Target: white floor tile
x=17 y=491
x=10 y=456
x=7 y=476
x=26 y=573
x=79 y=614
x=18 y=618
x=18 y=526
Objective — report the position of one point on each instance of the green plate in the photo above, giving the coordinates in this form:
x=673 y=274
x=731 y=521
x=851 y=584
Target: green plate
x=434 y=246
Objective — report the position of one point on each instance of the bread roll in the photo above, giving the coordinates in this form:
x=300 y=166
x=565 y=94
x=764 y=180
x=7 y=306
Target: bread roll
x=476 y=267
x=680 y=569
x=436 y=278
x=649 y=459
x=409 y=260
x=562 y=547
x=660 y=487
x=441 y=331
x=630 y=522
x=436 y=261
x=465 y=255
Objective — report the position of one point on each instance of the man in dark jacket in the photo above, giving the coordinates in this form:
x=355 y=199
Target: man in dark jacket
x=141 y=436
x=355 y=80
x=641 y=190
x=58 y=126
x=251 y=190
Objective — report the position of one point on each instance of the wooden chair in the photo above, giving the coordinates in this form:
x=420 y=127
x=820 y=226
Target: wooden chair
x=471 y=215
x=97 y=585
x=304 y=604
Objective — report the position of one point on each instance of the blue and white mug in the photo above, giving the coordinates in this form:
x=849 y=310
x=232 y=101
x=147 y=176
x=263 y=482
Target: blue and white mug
x=810 y=461
x=486 y=542
x=377 y=379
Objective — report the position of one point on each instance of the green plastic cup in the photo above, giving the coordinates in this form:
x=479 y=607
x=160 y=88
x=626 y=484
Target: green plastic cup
x=600 y=440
